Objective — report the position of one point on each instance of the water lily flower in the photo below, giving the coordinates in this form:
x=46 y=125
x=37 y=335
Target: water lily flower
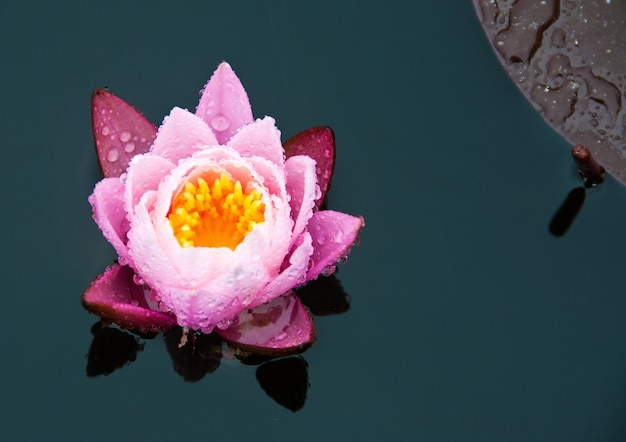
x=214 y=221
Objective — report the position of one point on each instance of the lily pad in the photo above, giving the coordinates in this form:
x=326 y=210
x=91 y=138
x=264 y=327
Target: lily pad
x=568 y=59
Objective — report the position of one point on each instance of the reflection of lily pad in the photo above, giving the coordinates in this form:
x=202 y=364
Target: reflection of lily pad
x=567 y=57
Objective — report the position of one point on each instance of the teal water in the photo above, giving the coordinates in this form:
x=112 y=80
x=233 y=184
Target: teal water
x=468 y=320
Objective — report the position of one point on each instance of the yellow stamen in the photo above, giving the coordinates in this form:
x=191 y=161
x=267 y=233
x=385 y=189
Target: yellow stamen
x=218 y=215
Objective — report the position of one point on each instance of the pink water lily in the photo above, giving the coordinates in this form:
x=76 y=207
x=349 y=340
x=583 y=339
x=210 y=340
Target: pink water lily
x=213 y=220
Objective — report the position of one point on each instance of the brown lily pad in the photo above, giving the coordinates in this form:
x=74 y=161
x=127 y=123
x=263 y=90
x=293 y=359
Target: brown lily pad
x=568 y=59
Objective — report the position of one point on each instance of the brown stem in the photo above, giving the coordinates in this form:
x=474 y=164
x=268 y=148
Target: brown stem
x=590 y=171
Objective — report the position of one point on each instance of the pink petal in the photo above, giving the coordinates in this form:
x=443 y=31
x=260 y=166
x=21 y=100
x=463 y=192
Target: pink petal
x=260 y=138
x=120 y=132
x=319 y=144
x=295 y=272
x=145 y=173
x=333 y=234
x=302 y=188
x=107 y=201
x=282 y=326
x=224 y=105
x=181 y=134
x=116 y=298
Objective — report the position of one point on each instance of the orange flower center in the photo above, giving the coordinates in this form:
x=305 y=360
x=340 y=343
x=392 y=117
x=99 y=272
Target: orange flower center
x=215 y=212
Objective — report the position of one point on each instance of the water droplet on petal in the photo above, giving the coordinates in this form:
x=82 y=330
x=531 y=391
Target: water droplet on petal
x=220 y=123
x=280 y=336
x=129 y=147
x=125 y=136
x=137 y=279
x=210 y=105
x=223 y=324
x=105 y=131
x=208 y=329
x=113 y=155
x=329 y=270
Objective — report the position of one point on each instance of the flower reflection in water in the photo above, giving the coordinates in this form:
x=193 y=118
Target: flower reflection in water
x=282 y=375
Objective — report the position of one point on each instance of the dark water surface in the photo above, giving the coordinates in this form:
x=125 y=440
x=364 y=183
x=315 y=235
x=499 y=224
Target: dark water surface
x=468 y=320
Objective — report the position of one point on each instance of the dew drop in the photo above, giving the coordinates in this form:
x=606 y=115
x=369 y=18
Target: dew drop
x=329 y=270
x=113 y=155
x=210 y=105
x=328 y=153
x=223 y=324
x=220 y=123
x=280 y=336
x=208 y=329
x=321 y=236
x=125 y=136
x=129 y=147
x=105 y=131
x=137 y=279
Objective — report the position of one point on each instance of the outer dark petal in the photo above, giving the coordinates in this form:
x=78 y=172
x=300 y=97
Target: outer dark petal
x=119 y=131
x=116 y=298
x=280 y=327
x=319 y=144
